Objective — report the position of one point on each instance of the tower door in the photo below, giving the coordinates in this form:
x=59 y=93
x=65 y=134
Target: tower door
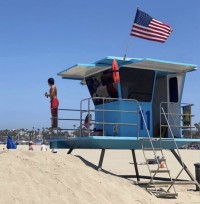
x=174 y=95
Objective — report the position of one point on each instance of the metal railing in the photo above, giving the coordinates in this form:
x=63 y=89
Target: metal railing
x=174 y=118
x=104 y=110
x=173 y=137
x=87 y=107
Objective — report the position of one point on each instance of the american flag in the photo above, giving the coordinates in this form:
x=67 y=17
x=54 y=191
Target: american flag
x=148 y=28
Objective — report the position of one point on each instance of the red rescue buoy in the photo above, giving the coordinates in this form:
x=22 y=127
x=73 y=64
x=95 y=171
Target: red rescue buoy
x=115 y=71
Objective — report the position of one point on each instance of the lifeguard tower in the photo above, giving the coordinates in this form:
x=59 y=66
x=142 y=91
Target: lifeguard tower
x=141 y=110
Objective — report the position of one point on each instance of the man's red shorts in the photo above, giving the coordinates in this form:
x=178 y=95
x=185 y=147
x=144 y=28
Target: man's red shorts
x=54 y=103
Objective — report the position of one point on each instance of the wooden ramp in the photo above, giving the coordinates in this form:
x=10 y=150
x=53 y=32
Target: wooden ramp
x=163 y=186
x=159 y=188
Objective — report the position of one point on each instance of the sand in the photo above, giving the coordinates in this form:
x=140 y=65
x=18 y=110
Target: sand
x=29 y=177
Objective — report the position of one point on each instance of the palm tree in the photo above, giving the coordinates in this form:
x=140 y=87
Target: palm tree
x=43 y=134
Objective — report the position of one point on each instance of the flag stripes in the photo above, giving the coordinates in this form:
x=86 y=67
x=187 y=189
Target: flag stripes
x=150 y=29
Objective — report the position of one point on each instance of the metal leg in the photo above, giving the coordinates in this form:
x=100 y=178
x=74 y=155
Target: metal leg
x=101 y=159
x=186 y=169
x=70 y=151
x=135 y=165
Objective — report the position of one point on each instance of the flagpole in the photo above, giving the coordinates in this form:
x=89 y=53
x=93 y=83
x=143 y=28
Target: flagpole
x=127 y=46
x=128 y=43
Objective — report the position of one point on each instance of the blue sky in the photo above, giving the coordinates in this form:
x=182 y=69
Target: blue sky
x=39 y=38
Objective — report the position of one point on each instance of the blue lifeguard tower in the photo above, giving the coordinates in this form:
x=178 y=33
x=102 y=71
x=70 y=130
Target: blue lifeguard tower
x=143 y=110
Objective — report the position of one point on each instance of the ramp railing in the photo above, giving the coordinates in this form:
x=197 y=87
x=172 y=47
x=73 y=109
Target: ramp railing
x=148 y=144
x=177 y=149
x=169 y=125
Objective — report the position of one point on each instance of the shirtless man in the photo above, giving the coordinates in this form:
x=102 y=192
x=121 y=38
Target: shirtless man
x=54 y=102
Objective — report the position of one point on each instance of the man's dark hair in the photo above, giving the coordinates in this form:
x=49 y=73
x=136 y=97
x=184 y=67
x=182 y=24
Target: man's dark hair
x=51 y=81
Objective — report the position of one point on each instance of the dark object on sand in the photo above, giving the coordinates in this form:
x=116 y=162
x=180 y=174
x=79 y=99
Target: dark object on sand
x=10 y=144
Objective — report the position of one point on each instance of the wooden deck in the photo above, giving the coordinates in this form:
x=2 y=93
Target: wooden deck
x=114 y=142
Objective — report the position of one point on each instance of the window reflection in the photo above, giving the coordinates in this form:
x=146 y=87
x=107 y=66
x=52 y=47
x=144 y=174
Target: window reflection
x=136 y=83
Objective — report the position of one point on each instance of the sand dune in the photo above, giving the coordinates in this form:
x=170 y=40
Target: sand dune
x=44 y=177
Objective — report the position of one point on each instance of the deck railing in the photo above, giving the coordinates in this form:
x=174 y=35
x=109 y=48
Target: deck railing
x=87 y=103
x=87 y=108
x=175 y=117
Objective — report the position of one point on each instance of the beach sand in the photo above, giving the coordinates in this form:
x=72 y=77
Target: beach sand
x=28 y=177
